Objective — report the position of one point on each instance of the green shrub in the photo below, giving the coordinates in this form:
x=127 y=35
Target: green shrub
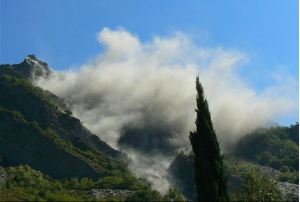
x=173 y=194
x=292 y=177
x=284 y=169
x=255 y=189
x=68 y=111
x=146 y=195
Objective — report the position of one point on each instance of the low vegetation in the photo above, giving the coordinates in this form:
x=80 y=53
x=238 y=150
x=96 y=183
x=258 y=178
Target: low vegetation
x=25 y=183
x=256 y=189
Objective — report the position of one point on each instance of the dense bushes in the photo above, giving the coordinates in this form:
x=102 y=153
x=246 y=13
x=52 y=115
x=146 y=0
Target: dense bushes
x=242 y=169
x=270 y=147
x=35 y=186
x=256 y=189
x=292 y=177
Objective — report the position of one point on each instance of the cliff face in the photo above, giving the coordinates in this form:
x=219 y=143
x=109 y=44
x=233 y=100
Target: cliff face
x=34 y=130
x=31 y=68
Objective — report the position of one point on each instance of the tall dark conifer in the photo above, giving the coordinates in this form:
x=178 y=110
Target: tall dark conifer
x=210 y=177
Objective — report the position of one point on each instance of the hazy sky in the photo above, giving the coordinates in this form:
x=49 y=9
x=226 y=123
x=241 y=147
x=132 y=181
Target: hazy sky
x=63 y=33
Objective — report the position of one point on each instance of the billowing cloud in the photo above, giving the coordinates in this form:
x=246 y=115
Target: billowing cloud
x=140 y=96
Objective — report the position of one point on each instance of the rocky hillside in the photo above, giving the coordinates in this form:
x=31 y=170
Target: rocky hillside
x=182 y=175
x=105 y=193
x=288 y=190
x=31 y=68
x=35 y=129
x=273 y=154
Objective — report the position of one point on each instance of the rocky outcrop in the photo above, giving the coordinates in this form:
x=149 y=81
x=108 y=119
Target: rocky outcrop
x=270 y=172
x=104 y=193
x=3 y=174
x=32 y=68
x=288 y=190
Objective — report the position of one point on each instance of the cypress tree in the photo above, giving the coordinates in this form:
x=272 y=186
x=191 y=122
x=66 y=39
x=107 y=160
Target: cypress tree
x=210 y=176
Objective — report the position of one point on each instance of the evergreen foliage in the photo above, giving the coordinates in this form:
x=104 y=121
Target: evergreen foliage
x=174 y=194
x=254 y=189
x=210 y=176
x=272 y=147
x=26 y=184
x=68 y=111
x=291 y=177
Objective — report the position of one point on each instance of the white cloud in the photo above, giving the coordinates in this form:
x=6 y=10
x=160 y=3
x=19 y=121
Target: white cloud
x=152 y=85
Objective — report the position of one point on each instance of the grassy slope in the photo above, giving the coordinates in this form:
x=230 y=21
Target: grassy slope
x=6 y=195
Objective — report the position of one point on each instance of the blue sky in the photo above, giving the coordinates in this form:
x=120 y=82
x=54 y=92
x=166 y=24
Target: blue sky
x=63 y=33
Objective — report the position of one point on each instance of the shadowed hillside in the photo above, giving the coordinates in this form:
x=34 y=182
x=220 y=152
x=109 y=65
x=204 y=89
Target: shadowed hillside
x=35 y=128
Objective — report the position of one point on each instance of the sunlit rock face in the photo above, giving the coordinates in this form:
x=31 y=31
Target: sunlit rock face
x=35 y=68
x=31 y=68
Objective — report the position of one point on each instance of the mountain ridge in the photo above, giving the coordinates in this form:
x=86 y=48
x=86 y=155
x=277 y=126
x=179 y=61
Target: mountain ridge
x=29 y=107
x=37 y=129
